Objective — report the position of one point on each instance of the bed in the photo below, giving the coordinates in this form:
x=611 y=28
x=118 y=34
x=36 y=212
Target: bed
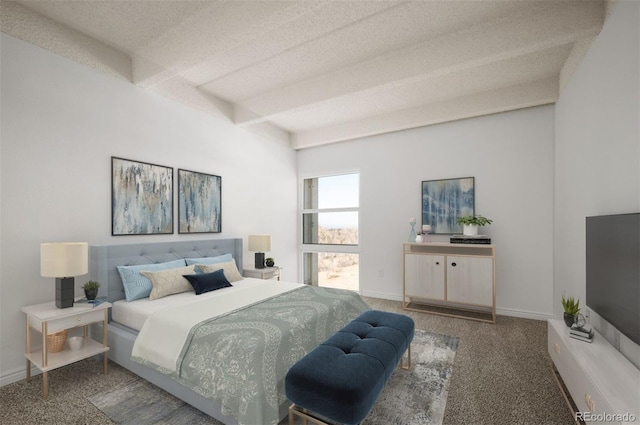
x=212 y=341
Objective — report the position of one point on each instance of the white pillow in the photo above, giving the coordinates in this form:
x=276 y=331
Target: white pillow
x=229 y=268
x=169 y=282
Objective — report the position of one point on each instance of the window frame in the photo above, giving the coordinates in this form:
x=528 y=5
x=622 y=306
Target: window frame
x=304 y=248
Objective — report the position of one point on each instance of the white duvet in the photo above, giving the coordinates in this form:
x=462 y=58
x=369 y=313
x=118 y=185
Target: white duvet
x=164 y=332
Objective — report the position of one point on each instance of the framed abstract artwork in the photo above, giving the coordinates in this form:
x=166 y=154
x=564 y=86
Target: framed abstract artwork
x=141 y=198
x=199 y=202
x=443 y=201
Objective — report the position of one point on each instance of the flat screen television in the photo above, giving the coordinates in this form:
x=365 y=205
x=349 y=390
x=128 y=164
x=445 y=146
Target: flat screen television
x=613 y=271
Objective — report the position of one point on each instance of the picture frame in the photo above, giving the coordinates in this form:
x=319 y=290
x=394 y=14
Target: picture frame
x=141 y=198
x=199 y=202
x=443 y=201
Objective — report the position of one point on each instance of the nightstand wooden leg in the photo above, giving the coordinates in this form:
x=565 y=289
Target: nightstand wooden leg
x=45 y=384
x=28 y=350
x=105 y=339
x=45 y=346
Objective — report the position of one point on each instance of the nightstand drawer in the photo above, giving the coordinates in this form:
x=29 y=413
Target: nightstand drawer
x=82 y=319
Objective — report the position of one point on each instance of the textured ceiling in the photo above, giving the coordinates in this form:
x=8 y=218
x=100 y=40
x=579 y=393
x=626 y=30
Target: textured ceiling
x=320 y=71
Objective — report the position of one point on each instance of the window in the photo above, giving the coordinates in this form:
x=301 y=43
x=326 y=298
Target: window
x=330 y=231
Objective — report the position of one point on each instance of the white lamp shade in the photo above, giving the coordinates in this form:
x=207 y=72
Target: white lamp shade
x=259 y=243
x=64 y=259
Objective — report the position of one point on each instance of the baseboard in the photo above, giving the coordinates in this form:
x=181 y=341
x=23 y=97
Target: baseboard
x=499 y=311
x=17 y=375
x=382 y=295
x=523 y=314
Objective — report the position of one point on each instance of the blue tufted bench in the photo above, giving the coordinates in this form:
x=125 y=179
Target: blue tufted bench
x=341 y=379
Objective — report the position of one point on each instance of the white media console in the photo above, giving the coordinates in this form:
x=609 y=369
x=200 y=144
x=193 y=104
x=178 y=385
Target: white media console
x=604 y=385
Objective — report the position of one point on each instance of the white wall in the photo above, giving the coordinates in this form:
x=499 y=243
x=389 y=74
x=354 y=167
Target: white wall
x=61 y=123
x=511 y=157
x=597 y=146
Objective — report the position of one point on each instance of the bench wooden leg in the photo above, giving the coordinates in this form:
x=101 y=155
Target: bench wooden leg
x=305 y=415
x=406 y=365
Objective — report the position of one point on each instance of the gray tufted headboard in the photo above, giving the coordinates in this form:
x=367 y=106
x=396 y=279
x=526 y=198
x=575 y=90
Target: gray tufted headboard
x=104 y=259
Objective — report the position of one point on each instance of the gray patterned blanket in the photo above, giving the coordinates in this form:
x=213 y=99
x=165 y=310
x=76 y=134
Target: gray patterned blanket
x=239 y=360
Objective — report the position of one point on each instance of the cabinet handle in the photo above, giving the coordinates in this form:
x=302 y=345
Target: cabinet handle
x=437 y=263
x=453 y=264
x=591 y=404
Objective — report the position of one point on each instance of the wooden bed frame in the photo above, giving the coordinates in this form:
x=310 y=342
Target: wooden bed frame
x=103 y=261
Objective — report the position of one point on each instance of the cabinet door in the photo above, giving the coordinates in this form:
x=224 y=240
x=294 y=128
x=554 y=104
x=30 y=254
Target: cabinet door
x=470 y=280
x=424 y=276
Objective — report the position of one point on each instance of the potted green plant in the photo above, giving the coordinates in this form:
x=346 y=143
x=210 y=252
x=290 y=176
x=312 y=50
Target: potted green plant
x=269 y=262
x=571 y=309
x=91 y=289
x=471 y=223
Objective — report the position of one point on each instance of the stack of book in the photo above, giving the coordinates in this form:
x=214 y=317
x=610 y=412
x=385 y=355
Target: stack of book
x=584 y=333
x=475 y=239
x=89 y=303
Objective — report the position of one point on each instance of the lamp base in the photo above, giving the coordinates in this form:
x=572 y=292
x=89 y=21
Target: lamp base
x=259 y=260
x=64 y=292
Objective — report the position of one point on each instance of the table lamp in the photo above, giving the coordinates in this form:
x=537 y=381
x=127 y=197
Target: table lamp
x=259 y=244
x=63 y=261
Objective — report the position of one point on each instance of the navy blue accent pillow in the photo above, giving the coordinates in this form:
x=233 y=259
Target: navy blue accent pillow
x=207 y=282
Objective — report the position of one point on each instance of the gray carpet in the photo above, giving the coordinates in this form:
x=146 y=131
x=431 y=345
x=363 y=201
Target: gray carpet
x=141 y=403
x=502 y=376
x=418 y=396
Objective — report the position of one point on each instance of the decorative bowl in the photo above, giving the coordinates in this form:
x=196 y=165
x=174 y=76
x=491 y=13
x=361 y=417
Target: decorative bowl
x=75 y=343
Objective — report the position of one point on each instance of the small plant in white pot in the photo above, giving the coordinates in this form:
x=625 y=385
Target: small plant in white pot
x=471 y=223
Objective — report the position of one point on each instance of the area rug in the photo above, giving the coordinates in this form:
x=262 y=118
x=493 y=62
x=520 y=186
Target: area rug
x=413 y=397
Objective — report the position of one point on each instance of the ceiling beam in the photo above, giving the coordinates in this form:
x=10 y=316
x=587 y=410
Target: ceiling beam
x=520 y=96
x=561 y=24
x=181 y=91
x=23 y=23
x=265 y=31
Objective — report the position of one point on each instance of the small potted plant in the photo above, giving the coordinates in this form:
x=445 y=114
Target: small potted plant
x=91 y=289
x=269 y=262
x=571 y=309
x=472 y=222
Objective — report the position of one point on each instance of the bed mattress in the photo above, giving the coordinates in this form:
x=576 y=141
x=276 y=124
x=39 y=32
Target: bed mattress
x=133 y=314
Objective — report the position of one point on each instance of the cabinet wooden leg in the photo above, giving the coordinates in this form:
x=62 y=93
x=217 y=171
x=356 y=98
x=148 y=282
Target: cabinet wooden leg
x=28 y=371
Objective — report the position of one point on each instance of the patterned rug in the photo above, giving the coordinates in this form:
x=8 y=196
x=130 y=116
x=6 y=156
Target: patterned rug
x=415 y=397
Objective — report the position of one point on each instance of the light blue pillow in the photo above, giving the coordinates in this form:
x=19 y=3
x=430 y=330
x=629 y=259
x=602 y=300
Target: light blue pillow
x=209 y=260
x=137 y=286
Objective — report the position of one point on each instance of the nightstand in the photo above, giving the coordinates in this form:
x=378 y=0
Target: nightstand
x=48 y=319
x=266 y=273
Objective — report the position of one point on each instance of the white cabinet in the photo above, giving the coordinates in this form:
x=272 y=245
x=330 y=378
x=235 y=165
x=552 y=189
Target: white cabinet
x=450 y=279
x=603 y=384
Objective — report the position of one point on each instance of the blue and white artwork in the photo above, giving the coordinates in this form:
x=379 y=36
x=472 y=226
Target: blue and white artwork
x=199 y=202
x=443 y=201
x=141 y=198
